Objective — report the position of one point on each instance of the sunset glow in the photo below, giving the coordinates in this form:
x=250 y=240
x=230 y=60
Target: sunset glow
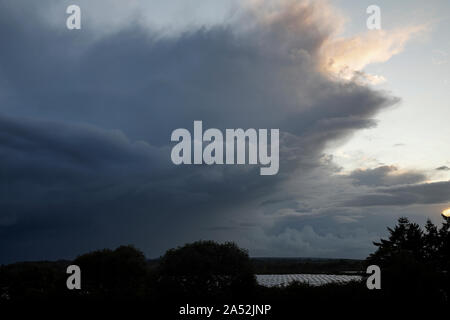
x=446 y=212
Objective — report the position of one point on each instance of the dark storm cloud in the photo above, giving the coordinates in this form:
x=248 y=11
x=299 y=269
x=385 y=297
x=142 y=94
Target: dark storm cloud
x=385 y=176
x=443 y=168
x=426 y=193
x=86 y=122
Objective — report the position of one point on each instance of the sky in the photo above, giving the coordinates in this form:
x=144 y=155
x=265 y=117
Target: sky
x=86 y=118
x=411 y=135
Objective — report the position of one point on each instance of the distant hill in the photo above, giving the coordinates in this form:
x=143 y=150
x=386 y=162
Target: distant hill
x=306 y=265
x=272 y=265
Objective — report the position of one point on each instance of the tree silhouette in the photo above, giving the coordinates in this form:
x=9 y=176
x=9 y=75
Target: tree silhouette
x=32 y=281
x=405 y=238
x=432 y=241
x=206 y=269
x=120 y=273
x=415 y=263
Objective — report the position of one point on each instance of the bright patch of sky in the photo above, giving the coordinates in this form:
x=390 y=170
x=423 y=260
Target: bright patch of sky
x=415 y=134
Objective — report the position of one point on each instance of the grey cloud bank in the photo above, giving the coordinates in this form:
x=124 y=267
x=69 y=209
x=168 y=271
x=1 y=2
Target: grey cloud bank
x=385 y=176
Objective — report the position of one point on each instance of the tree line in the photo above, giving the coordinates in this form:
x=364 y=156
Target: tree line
x=414 y=261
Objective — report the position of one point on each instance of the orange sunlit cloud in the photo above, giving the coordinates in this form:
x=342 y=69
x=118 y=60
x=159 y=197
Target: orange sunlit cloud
x=347 y=57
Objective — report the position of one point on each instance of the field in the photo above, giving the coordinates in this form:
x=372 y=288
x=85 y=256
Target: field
x=274 y=280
